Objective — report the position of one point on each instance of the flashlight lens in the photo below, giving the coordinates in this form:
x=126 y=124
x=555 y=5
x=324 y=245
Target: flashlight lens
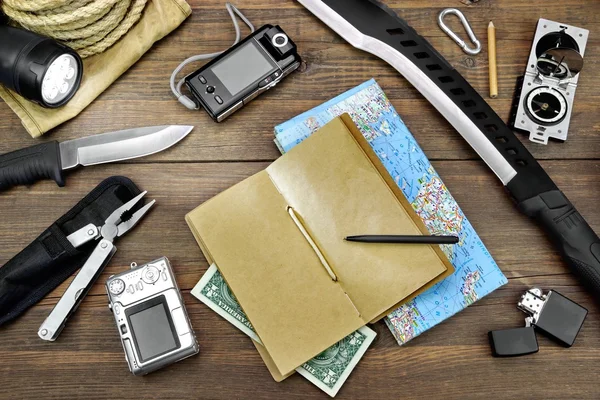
x=59 y=79
x=53 y=93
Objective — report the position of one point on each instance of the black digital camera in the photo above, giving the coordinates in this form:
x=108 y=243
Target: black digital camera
x=246 y=70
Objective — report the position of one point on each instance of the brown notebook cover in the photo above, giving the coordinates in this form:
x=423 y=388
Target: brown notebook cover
x=337 y=187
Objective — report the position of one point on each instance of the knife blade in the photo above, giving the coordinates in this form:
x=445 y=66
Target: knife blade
x=49 y=160
x=373 y=27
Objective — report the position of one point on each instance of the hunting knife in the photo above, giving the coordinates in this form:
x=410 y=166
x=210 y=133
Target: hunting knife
x=49 y=160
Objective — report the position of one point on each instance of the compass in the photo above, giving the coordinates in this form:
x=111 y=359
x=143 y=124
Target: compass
x=116 y=287
x=546 y=106
x=544 y=96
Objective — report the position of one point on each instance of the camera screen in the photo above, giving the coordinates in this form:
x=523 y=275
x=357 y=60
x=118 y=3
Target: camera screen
x=153 y=331
x=242 y=67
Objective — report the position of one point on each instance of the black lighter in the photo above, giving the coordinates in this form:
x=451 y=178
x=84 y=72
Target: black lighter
x=551 y=313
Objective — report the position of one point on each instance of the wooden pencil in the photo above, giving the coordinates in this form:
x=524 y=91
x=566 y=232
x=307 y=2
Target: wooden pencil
x=492 y=60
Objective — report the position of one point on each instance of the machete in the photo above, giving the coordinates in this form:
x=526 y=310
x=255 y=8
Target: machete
x=373 y=27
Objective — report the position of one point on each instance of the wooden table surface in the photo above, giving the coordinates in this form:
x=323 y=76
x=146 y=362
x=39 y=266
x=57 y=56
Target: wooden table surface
x=452 y=360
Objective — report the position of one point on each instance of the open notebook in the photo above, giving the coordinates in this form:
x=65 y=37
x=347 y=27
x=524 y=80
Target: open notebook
x=476 y=273
x=301 y=285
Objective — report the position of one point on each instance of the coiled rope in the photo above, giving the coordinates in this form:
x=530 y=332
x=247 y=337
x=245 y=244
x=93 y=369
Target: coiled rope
x=87 y=26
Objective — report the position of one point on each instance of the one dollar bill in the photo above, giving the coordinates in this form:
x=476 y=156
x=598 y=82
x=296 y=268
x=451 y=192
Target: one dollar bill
x=328 y=371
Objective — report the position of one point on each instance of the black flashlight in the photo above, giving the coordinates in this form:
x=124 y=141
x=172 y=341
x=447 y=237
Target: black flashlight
x=38 y=68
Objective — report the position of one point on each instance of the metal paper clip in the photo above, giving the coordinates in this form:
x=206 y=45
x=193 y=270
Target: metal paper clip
x=454 y=36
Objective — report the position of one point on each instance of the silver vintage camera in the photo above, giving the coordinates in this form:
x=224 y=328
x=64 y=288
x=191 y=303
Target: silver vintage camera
x=153 y=324
x=544 y=96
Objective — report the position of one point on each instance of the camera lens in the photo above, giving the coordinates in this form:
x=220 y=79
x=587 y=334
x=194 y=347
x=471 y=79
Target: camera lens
x=210 y=89
x=280 y=40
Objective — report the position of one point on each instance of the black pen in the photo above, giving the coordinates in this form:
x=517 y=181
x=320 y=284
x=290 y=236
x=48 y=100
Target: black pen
x=407 y=239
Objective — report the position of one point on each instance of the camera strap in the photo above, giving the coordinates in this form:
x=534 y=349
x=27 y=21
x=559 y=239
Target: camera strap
x=176 y=88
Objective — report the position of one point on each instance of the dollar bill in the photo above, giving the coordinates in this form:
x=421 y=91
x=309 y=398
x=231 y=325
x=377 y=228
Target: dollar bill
x=328 y=371
x=213 y=291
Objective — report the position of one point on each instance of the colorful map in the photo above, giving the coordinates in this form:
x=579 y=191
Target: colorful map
x=477 y=274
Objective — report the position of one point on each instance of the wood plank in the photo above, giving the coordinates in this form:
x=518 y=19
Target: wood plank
x=329 y=71
x=453 y=360
x=178 y=188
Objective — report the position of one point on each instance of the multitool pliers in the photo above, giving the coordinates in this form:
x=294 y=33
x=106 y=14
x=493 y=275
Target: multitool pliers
x=116 y=225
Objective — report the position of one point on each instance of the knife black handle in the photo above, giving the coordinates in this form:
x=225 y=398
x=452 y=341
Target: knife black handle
x=574 y=238
x=29 y=165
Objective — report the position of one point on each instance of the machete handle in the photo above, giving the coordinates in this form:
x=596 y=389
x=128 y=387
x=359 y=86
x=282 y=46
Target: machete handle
x=578 y=244
x=26 y=166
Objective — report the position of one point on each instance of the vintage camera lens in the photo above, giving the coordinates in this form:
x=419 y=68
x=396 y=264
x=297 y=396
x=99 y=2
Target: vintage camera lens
x=38 y=68
x=280 y=40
